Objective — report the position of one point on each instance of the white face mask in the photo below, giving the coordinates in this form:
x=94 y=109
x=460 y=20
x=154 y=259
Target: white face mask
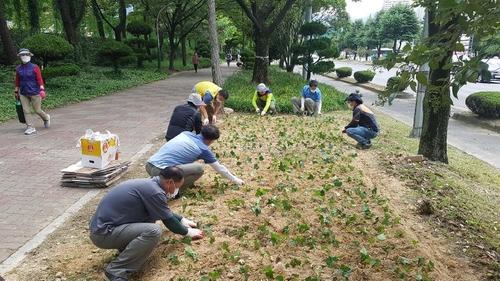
x=312 y=91
x=25 y=59
x=171 y=196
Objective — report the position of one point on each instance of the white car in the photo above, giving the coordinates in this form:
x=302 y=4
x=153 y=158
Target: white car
x=493 y=67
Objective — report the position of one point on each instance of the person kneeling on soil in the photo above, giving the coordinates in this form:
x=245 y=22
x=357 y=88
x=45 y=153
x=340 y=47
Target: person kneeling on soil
x=185 y=117
x=263 y=100
x=125 y=220
x=213 y=96
x=310 y=101
x=184 y=150
x=363 y=126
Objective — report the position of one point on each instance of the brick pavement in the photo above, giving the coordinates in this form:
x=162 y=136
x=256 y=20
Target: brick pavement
x=30 y=194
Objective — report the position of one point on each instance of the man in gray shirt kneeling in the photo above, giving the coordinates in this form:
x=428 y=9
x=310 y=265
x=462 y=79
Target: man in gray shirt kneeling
x=125 y=220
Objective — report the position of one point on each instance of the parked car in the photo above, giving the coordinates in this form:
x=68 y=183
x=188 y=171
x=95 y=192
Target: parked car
x=492 y=72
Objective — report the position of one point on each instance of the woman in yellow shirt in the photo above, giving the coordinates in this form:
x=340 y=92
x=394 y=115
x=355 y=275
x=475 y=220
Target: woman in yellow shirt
x=263 y=100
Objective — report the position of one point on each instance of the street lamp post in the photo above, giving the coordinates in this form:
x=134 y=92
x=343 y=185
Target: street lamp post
x=158 y=37
x=418 y=117
x=307 y=18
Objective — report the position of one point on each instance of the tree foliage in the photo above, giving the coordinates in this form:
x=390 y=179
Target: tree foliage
x=48 y=47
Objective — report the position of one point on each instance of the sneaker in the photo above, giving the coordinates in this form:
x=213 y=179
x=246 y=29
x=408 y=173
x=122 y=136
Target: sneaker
x=111 y=277
x=363 y=146
x=47 y=123
x=30 y=130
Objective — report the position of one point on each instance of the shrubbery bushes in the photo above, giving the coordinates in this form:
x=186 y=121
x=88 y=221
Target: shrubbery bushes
x=343 y=72
x=484 y=104
x=396 y=84
x=115 y=53
x=48 y=47
x=69 y=69
x=364 y=76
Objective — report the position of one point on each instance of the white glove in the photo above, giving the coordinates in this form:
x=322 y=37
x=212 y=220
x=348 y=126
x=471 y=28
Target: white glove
x=205 y=121
x=302 y=108
x=257 y=110
x=262 y=113
x=238 y=182
x=195 y=233
x=188 y=223
x=214 y=118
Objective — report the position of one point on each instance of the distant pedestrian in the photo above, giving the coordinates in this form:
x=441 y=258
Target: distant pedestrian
x=229 y=58
x=30 y=90
x=185 y=117
x=363 y=126
x=195 y=60
x=263 y=100
x=310 y=101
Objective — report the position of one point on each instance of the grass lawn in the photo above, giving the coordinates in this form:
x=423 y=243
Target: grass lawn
x=283 y=85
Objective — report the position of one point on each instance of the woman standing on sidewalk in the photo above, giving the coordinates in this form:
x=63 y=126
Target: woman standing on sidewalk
x=195 y=60
x=30 y=90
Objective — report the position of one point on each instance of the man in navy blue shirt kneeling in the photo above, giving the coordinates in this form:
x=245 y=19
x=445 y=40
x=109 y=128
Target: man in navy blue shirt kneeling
x=126 y=217
x=363 y=126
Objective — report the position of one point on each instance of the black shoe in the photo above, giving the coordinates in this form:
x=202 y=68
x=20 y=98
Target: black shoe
x=363 y=146
x=111 y=277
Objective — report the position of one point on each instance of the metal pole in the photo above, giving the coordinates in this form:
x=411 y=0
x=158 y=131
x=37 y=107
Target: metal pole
x=307 y=18
x=418 y=117
x=158 y=36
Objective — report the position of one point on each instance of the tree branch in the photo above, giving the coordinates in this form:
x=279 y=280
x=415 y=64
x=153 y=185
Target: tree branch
x=279 y=17
x=249 y=13
x=102 y=15
x=193 y=10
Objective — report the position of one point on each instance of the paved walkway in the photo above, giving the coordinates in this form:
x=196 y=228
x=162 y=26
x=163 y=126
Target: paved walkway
x=30 y=195
x=481 y=143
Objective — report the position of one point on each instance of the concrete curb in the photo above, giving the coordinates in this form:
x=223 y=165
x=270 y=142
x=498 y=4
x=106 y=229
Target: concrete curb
x=18 y=256
x=471 y=118
x=370 y=86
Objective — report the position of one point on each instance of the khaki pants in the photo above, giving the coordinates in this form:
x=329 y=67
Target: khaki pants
x=135 y=241
x=310 y=106
x=192 y=172
x=261 y=104
x=36 y=103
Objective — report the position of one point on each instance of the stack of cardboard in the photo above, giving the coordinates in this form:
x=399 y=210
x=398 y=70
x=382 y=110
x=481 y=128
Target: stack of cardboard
x=77 y=175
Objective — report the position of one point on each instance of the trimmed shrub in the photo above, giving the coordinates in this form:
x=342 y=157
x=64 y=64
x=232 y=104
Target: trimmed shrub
x=343 y=72
x=364 y=76
x=396 y=84
x=203 y=48
x=69 y=69
x=138 y=28
x=48 y=47
x=484 y=104
x=115 y=53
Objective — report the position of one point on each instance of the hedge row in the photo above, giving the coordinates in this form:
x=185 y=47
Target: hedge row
x=364 y=76
x=484 y=104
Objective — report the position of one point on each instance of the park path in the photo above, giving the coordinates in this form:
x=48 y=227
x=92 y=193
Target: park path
x=30 y=195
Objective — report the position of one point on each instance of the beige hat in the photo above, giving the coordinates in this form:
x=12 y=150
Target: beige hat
x=195 y=99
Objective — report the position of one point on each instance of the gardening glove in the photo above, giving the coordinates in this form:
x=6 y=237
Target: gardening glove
x=205 y=121
x=257 y=110
x=188 y=223
x=238 y=182
x=302 y=108
x=42 y=94
x=195 y=233
x=214 y=119
x=262 y=113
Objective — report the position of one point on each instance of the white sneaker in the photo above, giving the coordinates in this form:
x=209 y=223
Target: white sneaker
x=47 y=123
x=30 y=130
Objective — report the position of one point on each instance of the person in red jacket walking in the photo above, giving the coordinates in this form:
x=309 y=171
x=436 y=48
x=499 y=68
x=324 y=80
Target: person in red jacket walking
x=30 y=90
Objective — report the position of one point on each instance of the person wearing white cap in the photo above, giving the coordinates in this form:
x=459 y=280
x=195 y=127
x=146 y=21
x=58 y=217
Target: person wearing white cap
x=30 y=90
x=186 y=117
x=263 y=100
x=310 y=100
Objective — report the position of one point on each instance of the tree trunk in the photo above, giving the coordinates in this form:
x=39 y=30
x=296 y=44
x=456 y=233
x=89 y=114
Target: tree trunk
x=98 y=19
x=394 y=45
x=261 y=57
x=183 y=51
x=433 y=141
x=18 y=10
x=122 y=15
x=214 y=43
x=379 y=51
x=171 y=51
x=67 y=21
x=8 y=44
x=399 y=45
x=34 y=16
x=282 y=63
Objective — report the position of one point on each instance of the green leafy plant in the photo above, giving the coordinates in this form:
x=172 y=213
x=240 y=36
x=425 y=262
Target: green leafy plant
x=343 y=72
x=484 y=104
x=48 y=47
x=364 y=76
